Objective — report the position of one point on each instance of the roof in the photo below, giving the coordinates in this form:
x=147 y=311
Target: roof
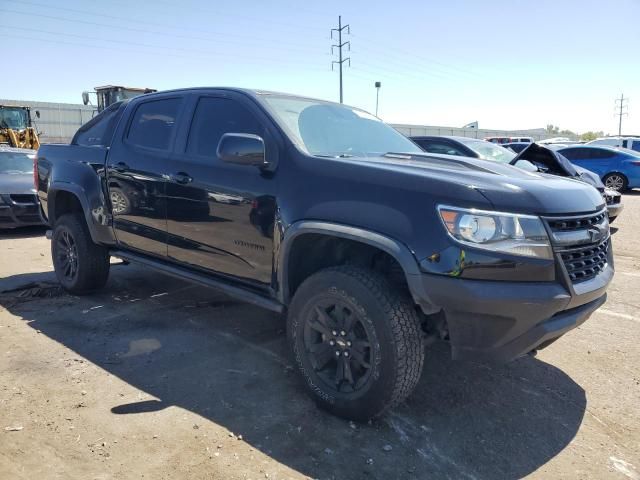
x=595 y=147
x=246 y=91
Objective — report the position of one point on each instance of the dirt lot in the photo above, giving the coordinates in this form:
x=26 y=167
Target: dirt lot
x=157 y=378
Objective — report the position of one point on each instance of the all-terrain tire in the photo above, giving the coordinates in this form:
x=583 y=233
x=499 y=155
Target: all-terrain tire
x=387 y=317
x=80 y=265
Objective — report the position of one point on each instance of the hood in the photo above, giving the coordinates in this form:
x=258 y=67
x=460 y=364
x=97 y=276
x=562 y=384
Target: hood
x=546 y=159
x=554 y=163
x=506 y=187
x=16 y=183
x=589 y=177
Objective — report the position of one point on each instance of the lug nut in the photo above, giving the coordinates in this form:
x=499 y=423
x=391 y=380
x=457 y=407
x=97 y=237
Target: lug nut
x=343 y=333
x=333 y=332
x=346 y=354
x=348 y=344
x=337 y=353
x=332 y=343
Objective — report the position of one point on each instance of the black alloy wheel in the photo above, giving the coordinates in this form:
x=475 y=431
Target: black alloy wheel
x=67 y=255
x=338 y=343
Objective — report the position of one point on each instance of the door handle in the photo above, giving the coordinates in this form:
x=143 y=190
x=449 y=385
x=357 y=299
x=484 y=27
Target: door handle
x=121 y=167
x=182 y=178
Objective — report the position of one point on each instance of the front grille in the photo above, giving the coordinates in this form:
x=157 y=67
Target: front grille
x=29 y=199
x=584 y=263
x=575 y=223
x=582 y=243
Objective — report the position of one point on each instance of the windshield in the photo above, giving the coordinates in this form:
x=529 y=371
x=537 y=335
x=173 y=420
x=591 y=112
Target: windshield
x=490 y=151
x=328 y=129
x=14 y=118
x=15 y=162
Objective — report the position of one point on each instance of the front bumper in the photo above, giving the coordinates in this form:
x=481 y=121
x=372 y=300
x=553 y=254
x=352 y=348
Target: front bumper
x=19 y=214
x=500 y=321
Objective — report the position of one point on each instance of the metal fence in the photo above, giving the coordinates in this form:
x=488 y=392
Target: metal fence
x=58 y=122
x=418 y=130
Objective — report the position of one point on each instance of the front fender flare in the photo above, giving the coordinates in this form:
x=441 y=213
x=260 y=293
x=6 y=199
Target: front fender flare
x=399 y=251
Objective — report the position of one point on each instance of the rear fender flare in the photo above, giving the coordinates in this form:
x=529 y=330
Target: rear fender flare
x=96 y=218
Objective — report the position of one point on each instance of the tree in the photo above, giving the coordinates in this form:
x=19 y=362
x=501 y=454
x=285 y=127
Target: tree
x=588 y=136
x=552 y=129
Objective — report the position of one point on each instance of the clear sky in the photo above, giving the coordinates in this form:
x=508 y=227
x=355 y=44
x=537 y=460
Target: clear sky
x=508 y=64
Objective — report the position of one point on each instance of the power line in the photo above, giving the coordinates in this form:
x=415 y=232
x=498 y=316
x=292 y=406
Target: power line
x=394 y=52
x=218 y=13
x=162 y=51
x=258 y=40
x=188 y=51
x=402 y=71
x=340 y=46
x=622 y=108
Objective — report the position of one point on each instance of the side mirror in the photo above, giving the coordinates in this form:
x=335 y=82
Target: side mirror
x=242 y=149
x=85 y=98
x=37 y=113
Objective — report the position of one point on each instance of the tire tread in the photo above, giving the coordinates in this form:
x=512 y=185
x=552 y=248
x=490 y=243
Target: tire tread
x=404 y=323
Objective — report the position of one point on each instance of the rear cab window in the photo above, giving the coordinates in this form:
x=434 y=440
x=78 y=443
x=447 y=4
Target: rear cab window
x=98 y=131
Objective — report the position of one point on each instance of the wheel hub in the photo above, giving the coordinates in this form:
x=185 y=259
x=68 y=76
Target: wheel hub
x=338 y=345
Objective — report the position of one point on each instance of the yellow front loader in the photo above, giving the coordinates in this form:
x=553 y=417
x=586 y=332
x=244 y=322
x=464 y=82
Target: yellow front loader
x=16 y=129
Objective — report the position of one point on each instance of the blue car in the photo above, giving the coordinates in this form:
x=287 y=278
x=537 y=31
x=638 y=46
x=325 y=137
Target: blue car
x=618 y=168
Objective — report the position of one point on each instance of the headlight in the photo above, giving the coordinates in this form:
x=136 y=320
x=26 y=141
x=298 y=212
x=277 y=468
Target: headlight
x=509 y=233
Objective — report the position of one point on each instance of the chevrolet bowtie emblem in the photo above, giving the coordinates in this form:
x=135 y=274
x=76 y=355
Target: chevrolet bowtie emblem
x=595 y=234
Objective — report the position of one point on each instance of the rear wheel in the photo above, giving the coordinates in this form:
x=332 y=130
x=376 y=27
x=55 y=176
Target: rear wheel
x=80 y=264
x=615 y=181
x=357 y=341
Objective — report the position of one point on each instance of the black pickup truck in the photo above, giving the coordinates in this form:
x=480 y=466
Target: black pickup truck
x=373 y=248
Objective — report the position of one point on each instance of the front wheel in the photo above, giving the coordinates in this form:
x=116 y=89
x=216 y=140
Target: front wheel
x=615 y=181
x=80 y=264
x=356 y=340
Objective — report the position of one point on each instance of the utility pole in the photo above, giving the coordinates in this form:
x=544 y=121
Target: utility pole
x=621 y=109
x=378 y=85
x=340 y=46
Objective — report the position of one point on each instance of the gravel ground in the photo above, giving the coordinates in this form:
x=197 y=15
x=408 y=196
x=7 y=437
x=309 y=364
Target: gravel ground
x=157 y=378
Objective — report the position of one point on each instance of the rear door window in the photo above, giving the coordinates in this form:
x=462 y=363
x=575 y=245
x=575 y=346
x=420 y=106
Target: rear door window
x=576 y=153
x=598 y=154
x=154 y=123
